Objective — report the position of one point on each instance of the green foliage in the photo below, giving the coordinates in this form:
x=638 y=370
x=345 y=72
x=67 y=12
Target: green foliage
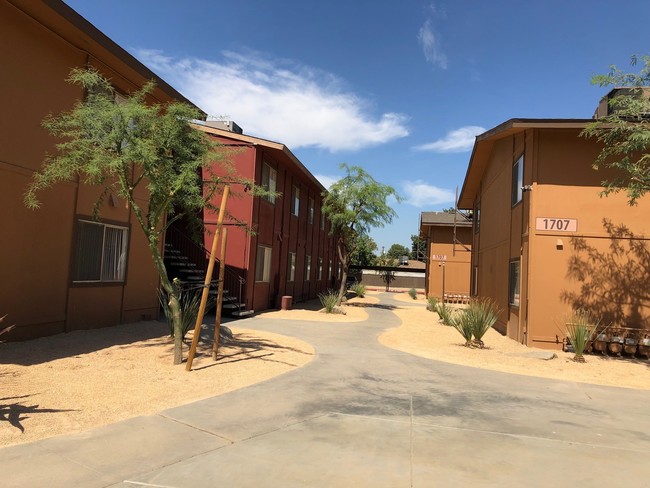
x=130 y=145
x=418 y=248
x=359 y=289
x=190 y=301
x=580 y=329
x=328 y=300
x=625 y=133
x=472 y=322
x=432 y=304
x=355 y=204
x=363 y=254
x=446 y=313
x=397 y=250
x=413 y=293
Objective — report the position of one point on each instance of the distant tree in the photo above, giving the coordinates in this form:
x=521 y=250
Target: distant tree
x=122 y=147
x=353 y=205
x=625 y=132
x=363 y=255
x=418 y=248
x=397 y=250
x=450 y=210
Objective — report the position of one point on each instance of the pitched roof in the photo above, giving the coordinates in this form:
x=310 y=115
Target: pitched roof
x=279 y=149
x=484 y=143
x=444 y=219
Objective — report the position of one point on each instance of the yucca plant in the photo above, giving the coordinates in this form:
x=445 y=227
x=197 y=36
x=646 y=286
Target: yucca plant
x=464 y=325
x=5 y=328
x=328 y=300
x=580 y=329
x=445 y=313
x=481 y=315
x=190 y=302
x=413 y=293
x=432 y=304
x=359 y=289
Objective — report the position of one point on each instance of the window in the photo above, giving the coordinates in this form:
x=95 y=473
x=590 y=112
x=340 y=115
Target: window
x=329 y=273
x=263 y=264
x=477 y=217
x=339 y=271
x=475 y=281
x=295 y=200
x=513 y=281
x=517 y=180
x=320 y=269
x=291 y=267
x=100 y=252
x=310 y=212
x=269 y=178
x=307 y=267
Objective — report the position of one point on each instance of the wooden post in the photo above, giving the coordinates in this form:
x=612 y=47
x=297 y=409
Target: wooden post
x=222 y=270
x=208 y=279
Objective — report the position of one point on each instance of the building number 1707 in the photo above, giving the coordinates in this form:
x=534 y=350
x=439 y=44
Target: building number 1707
x=566 y=225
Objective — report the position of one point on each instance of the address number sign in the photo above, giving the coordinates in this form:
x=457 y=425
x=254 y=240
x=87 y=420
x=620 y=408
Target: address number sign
x=556 y=224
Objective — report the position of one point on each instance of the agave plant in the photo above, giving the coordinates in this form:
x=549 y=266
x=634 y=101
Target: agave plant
x=328 y=300
x=580 y=329
x=190 y=300
x=481 y=315
x=359 y=289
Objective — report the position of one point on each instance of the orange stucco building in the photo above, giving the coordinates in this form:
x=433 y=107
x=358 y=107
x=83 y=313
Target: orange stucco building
x=545 y=241
x=46 y=286
x=448 y=240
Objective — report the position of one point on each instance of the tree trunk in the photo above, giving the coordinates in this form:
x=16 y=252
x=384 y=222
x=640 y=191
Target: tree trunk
x=344 y=258
x=172 y=295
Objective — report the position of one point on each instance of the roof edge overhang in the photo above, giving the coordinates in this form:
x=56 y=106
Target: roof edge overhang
x=256 y=141
x=63 y=20
x=483 y=148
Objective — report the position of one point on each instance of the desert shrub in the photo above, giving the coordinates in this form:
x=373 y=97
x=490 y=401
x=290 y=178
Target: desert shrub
x=481 y=315
x=5 y=328
x=328 y=300
x=463 y=325
x=190 y=301
x=446 y=313
x=359 y=289
x=580 y=329
x=432 y=304
x=413 y=293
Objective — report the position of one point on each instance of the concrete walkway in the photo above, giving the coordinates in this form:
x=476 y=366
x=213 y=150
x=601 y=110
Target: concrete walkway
x=362 y=415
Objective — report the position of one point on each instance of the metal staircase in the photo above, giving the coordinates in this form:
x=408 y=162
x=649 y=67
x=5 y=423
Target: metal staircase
x=188 y=261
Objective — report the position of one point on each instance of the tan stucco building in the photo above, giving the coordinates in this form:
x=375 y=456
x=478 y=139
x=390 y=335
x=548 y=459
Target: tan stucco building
x=448 y=238
x=545 y=242
x=46 y=287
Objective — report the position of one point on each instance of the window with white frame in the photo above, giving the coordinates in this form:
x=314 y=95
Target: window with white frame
x=100 y=252
x=310 y=211
x=307 y=267
x=320 y=269
x=477 y=217
x=269 y=181
x=518 y=180
x=291 y=267
x=514 y=283
x=329 y=270
x=295 y=200
x=263 y=264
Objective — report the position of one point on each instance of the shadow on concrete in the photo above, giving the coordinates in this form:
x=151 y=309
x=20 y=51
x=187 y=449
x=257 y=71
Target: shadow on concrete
x=15 y=413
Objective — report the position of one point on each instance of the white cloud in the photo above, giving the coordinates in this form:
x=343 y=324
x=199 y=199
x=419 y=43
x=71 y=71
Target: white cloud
x=430 y=43
x=457 y=140
x=420 y=194
x=327 y=180
x=278 y=100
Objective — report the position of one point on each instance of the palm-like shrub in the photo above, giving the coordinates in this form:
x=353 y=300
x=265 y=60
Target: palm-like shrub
x=480 y=315
x=359 y=289
x=413 y=293
x=328 y=300
x=580 y=329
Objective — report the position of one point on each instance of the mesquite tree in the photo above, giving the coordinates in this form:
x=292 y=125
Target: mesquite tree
x=120 y=145
x=353 y=205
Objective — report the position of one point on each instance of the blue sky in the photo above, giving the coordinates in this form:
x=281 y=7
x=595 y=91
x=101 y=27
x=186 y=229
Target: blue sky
x=399 y=88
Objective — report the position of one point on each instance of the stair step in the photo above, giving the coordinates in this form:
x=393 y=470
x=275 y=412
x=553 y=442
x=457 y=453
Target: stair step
x=233 y=305
x=243 y=313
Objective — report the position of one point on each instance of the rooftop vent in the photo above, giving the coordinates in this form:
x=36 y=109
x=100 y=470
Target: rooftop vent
x=228 y=125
